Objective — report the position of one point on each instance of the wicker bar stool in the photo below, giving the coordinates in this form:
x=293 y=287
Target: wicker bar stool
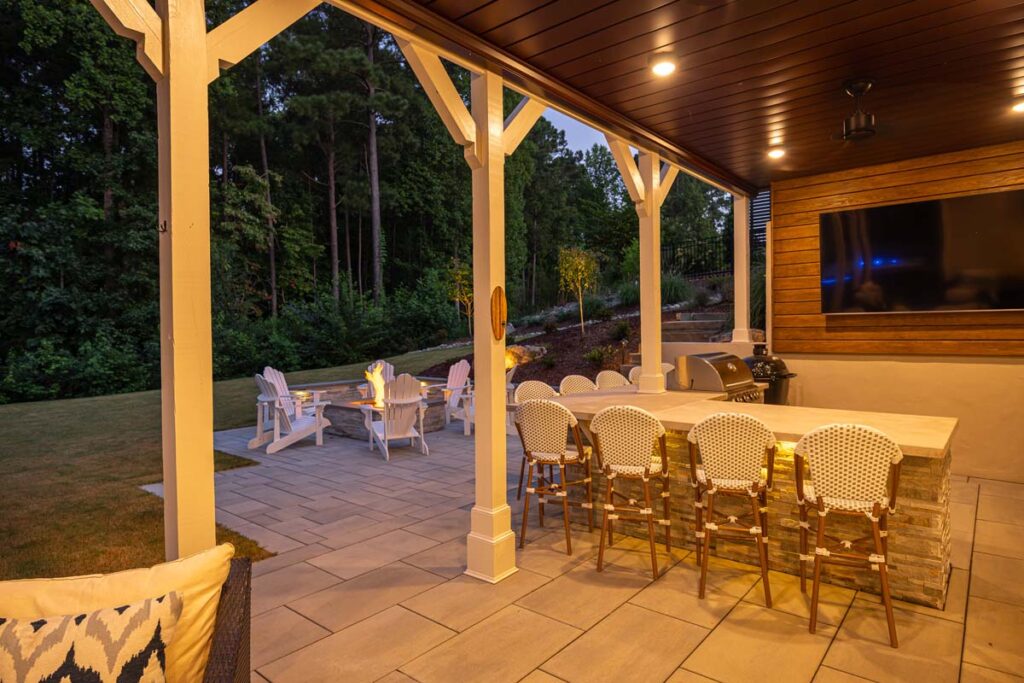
x=629 y=443
x=575 y=384
x=542 y=426
x=856 y=471
x=610 y=379
x=527 y=391
x=733 y=449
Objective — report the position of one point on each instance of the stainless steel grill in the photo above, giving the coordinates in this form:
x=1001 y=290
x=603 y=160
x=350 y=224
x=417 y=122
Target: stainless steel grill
x=722 y=372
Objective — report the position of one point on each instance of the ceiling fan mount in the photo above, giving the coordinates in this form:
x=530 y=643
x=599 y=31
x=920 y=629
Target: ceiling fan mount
x=859 y=125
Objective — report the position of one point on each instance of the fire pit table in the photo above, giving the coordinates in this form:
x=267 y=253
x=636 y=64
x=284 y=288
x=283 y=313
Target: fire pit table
x=346 y=408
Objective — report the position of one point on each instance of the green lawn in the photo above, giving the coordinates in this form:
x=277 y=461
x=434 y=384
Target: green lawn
x=70 y=473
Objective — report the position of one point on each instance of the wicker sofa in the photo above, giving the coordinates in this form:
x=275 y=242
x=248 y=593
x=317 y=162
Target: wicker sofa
x=229 y=652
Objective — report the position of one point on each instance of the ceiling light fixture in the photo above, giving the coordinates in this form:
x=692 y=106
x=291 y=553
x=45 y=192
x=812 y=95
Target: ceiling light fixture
x=1018 y=107
x=776 y=153
x=662 y=64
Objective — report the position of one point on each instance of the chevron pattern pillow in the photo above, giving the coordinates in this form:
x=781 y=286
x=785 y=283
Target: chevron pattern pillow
x=111 y=645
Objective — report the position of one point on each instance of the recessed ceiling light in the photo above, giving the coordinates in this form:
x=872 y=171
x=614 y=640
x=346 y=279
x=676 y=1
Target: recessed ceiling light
x=663 y=64
x=776 y=153
x=1019 y=107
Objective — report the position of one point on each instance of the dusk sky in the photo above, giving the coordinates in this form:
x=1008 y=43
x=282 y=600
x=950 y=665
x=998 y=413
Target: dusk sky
x=578 y=135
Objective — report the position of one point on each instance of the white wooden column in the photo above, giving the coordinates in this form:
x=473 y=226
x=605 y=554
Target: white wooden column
x=652 y=379
x=490 y=546
x=648 y=183
x=186 y=350
x=741 y=267
x=486 y=138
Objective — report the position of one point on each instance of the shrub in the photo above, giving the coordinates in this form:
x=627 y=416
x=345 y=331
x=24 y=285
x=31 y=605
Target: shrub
x=674 y=289
x=629 y=293
x=600 y=356
x=701 y=297
x=594 y=308
x=547 y=362
x=621 y=331
x=550 y=326
x=630 y=267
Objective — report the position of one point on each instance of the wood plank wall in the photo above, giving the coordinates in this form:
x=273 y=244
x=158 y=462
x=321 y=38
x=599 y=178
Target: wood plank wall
x=797 y=323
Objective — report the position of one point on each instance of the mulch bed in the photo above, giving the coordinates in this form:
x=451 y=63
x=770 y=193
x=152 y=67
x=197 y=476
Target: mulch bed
x=566 y=350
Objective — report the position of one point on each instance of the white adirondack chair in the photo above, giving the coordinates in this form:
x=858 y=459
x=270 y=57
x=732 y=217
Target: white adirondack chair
x=276 y=377
x=287 y=428
x=456 y=389
x=402 y=412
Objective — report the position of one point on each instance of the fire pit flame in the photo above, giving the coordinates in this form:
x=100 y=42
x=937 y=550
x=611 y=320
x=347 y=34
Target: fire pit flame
x=375 y=378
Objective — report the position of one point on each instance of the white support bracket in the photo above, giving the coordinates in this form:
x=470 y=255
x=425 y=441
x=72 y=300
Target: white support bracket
x=628 y=169
x=437 y=84
x=520 y=122
x=137 y=20
x=245 y=32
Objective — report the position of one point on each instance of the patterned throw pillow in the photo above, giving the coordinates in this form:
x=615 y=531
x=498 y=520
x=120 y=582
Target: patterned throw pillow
x=113 y=645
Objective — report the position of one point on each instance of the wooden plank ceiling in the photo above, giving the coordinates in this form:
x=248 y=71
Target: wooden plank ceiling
x=946 y=72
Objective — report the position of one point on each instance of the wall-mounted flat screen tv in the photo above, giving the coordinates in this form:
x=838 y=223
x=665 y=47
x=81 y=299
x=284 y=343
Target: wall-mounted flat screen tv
x=958 y=254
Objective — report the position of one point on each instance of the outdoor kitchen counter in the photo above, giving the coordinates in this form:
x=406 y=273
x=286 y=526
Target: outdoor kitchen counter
x=919 y=533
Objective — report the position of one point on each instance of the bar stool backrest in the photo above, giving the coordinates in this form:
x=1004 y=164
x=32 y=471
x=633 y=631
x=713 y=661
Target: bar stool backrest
x=609 y=379
x=626 y=436
x=850 y=464
x=532 y=389
x=576 y=384
x=732 y=447
x=543 y=425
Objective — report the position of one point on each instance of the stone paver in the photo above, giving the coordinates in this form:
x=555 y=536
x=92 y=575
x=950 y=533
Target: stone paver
x=368 y=585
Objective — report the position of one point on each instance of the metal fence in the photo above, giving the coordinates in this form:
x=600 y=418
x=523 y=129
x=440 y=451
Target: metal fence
x=707 y=258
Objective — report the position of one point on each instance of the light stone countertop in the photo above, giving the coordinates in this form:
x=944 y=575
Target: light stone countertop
x=917 y=435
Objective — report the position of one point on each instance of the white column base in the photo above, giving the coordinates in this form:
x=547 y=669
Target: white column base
x=741 y=336
x=651 y=384
x=490 y=553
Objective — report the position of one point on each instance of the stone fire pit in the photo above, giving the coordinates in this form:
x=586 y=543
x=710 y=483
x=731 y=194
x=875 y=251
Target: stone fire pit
x=346 y=414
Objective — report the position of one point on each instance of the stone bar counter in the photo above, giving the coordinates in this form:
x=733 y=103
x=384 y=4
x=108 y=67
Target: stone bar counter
x=919 y=532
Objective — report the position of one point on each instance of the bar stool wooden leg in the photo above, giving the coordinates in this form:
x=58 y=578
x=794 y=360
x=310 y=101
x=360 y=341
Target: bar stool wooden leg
x=542 y=484
x=526 y=506
x=762 y=550
x=522 y=471
x=604 y=525
x=588 y=472
x=698 y=513
x=565 y=510
x=883 y=575
x=707 y=545
x=649 y=514
x=803 y=546
x=817 y=570
x=667 y=507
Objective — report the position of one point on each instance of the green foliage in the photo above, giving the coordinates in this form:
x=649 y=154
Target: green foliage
x=758 y=285
x=629 y=293
x=621 y=331
x=289 y=150
x=674 y=289
x=577 y=274
x=547 y=362
x=550 y=326
x=595 y=308
x=601 y=356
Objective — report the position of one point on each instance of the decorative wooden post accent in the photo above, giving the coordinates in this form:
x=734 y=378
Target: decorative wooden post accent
x=741 y=267
x=648 y=184
x=175 y=50
x=487 y=139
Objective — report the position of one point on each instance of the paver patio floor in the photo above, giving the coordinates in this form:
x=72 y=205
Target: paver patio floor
x=368 y=585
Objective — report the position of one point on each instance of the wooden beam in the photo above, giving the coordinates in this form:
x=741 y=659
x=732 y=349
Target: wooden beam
x=668 y=176
x=519 y=123
x=627 y=169
x=136 y=19
x=412 y=21
x=244 y=33
x=436 y=82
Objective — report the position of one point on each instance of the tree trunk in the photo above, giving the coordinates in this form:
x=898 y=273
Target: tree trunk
x=580 y=299
x=264 y=160
x=109 y=254
x=359 y=225
x=348 y=255
x=332 y=213
x=375 y=230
